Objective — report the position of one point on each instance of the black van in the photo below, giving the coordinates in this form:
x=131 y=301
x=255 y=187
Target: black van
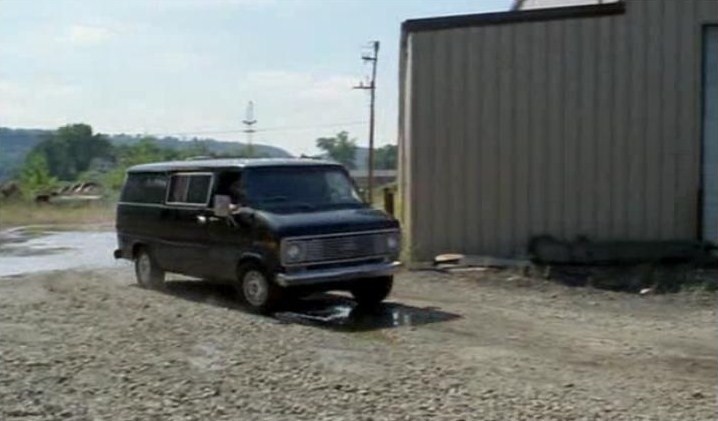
x=271 y=227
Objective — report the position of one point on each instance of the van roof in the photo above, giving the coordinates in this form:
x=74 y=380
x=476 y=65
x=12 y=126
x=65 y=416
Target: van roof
x=207 y=164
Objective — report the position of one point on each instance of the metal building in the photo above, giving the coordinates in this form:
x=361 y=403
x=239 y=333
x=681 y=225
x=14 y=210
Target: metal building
x=594 y=120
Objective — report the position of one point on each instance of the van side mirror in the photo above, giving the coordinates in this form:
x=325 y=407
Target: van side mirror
x=222 y=206
x=245 y=215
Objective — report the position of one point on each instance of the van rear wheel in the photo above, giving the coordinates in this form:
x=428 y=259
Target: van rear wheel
x=256 y=288
x=148 y=273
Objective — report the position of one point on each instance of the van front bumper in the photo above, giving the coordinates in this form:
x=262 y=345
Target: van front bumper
x=313 y=277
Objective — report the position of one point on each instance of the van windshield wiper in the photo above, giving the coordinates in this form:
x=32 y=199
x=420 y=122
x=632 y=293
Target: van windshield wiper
x=305 y=206
x=343 y=204
x=275 y=199
x=284 y=201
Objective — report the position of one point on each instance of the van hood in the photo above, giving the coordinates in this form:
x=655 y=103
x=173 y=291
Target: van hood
x=327 y=222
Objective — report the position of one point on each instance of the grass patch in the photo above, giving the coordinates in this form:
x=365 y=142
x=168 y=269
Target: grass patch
x=20 y=213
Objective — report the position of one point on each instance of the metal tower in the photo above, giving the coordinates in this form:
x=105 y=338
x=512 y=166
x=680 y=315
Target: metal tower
x=249 y=123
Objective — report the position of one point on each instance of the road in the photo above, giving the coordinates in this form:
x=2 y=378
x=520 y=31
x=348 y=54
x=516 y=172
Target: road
x=89 y=344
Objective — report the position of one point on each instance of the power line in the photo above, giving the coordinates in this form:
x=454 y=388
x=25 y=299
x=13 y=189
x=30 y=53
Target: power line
x=319 y=126
x=269 y=129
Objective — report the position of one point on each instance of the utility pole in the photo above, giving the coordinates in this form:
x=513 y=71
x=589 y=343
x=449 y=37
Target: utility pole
x=373 y=58
x=249 y=122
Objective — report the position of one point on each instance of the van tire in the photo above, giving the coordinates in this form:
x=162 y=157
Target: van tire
x=257 y=288
x=371 y=292
x=149 y=274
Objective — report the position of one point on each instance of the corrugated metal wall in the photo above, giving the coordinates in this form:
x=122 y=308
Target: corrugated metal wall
x=582 y=126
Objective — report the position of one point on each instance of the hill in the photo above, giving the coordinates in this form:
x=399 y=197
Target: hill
x=15 y=144
x=215 y=146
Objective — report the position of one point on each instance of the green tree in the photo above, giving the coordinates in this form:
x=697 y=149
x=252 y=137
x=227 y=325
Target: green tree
x=35 y=176
x=385 y=158
x=144 y=151
x=71 y=149
x=339 y=148
x=247 y=151
x=195 y=149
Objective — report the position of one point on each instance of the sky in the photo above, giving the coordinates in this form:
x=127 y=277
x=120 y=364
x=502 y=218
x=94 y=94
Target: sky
x=189 y=67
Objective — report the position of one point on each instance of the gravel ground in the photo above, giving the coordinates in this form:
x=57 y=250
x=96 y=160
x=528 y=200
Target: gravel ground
x=473 y=346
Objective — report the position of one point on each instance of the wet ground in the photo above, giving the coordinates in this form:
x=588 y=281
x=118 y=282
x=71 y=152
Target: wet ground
x=38 y=249
x=85 y=344
x=336 y=311
x=29 y=250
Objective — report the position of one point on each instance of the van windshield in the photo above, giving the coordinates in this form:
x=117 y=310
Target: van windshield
x=300 y=188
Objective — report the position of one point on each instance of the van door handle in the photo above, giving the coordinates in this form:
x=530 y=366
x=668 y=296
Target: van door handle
x=203 y=219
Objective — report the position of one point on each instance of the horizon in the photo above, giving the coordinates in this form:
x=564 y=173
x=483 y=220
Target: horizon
x=239 y=142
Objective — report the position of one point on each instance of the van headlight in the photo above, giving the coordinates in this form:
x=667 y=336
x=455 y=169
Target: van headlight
x=393 y=242
x=293 y=252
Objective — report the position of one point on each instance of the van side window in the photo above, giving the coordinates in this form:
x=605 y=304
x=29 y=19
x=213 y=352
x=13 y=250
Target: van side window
x=144 y=188
x=198 y=191
x=178 y=189
x=189 y=189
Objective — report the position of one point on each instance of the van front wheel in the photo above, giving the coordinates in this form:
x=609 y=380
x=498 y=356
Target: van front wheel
x=257 y=289
x=148 y=274
x=371 y=292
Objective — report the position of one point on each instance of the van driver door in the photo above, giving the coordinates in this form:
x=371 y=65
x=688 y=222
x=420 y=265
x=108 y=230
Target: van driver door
x=228 y=240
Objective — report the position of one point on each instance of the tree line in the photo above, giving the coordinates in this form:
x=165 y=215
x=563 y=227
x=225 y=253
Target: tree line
x=342 y=149
x=75 y=153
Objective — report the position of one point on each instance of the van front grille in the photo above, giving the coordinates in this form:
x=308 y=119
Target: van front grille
x=353 y=246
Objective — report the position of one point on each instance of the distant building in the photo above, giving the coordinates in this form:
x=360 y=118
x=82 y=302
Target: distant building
x=595 y=120
x=381 y=177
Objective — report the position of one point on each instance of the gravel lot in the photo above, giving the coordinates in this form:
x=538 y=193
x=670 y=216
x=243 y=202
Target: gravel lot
x=475 y=346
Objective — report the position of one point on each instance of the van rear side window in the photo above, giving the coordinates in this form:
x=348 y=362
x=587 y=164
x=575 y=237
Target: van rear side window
x=144 y=188
x=190 y=189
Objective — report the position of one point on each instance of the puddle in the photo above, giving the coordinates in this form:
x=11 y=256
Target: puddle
x=30 y=250
x=325 y=310
x=20 y=235
x=24 y=252
x=339 y=313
